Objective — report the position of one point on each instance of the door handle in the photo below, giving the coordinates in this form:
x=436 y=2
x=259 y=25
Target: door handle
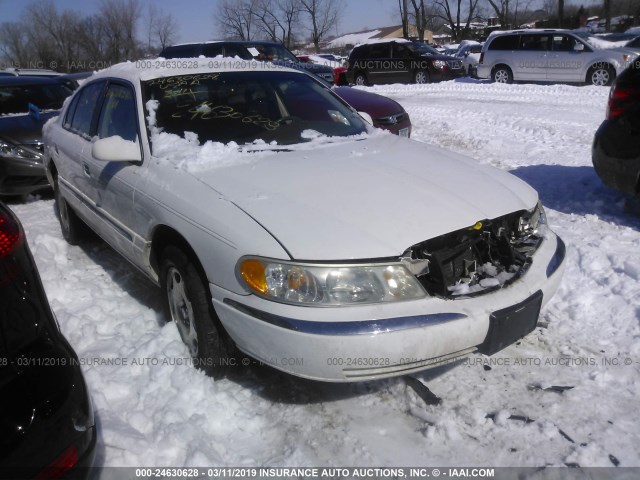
x=85 y=169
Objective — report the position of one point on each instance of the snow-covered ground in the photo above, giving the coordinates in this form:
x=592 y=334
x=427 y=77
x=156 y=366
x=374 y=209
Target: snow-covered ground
x=158 y=410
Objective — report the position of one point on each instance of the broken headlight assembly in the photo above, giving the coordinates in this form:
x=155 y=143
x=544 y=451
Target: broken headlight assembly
x=328 y=285
x=484 y=257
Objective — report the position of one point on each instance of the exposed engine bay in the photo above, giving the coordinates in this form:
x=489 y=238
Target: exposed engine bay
x=484 y=257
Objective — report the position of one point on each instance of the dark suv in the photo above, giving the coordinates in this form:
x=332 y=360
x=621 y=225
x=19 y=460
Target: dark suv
x=248 y=50
x=400 y=61
x=616 y=144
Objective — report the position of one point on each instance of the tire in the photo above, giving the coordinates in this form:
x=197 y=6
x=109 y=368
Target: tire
x=502 y=74
x=73 y=229
x=187 y=302
x=421 y=77
x=600 y=76
x=361 y=79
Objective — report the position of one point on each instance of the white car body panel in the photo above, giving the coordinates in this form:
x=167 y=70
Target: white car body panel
x=347 y=190
x=355 y=199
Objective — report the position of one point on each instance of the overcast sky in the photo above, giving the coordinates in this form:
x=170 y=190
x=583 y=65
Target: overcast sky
x=195 y=17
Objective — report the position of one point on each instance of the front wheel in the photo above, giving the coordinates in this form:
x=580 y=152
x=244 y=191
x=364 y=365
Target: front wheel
x=187 y=302
x=502 y=74
x=600 y=76
x=421 y=77
x=361 y=79
x=73 y=229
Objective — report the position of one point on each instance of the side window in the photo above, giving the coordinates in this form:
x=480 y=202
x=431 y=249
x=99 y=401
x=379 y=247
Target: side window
x=505 y=42
x=70 y=111
x=399 y=51
x=118 y=115
x=379 y=50
x=212 y=50
x=536 y=43
x=563 y=43
x=181 y=51
x=237 y=51
x=87 y=101
x=359 y=53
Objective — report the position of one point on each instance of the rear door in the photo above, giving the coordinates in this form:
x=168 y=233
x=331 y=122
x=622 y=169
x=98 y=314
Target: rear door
x=72 y=147
x=533 y=57
x=379 y=63
x=401 y=69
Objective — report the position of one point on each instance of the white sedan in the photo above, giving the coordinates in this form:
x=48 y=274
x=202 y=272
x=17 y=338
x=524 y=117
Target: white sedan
x=278 y=223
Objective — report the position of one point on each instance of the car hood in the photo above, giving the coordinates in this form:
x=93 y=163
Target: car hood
x=23 y=129
x=371 y=198
x=375 y=105
x=444 y=58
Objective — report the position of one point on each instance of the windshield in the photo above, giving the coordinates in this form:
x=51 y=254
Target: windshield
x=423 y=49
x=281 y=107
x=16 y=98
x=271 y=53
x=586 y=37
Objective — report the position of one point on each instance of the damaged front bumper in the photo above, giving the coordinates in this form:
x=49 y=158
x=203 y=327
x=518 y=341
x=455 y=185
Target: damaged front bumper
x=367 y=342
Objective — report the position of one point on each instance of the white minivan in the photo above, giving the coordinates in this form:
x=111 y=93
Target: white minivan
x=550 y=56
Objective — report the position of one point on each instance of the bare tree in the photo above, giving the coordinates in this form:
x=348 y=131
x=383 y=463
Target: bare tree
x=404 y=15
x=501 y=9
x=560 y=13
x=420 y=16
x=161 y=27
x=323 y=15
x=289 y=14
x=451 y=11
x=119 y=21
x=607 y=14
x=14 y=43
x=236 y=18
x=52 y=34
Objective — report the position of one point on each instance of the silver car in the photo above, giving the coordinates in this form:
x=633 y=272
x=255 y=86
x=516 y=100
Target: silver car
x=550 y=56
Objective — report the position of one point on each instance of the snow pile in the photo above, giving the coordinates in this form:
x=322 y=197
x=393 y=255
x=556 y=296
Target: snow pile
x=512 y=409
x=352 y=39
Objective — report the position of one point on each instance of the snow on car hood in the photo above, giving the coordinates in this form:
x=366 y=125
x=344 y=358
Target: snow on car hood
x=371 y=198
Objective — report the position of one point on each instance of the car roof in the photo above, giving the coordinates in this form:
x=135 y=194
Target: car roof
x=521 y=31
x=147 y=70
x=27 y=80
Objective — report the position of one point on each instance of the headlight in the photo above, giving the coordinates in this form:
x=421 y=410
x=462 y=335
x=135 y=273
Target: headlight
x=439 y=63
x=529 y=222
x=9 y=150
x=328 y=285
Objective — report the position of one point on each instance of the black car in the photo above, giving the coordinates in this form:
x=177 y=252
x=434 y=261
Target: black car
x=400 y=61
x=47 y=426
x=26 y=103
x=248 y=50
x=616 y=145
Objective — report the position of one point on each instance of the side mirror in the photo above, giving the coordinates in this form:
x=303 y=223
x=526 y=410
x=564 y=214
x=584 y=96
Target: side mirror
x=116 y=149
x=578 y=47
x=366 y=117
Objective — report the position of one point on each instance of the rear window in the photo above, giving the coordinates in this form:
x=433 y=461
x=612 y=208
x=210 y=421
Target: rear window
x=181 y=51
x=505 y=42
x=16 y=98
x=359 y=52
x=380 y=50
x=536 y=43
x=247 y=106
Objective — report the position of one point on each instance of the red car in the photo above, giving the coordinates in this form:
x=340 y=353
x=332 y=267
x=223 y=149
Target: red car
x=386 y=113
